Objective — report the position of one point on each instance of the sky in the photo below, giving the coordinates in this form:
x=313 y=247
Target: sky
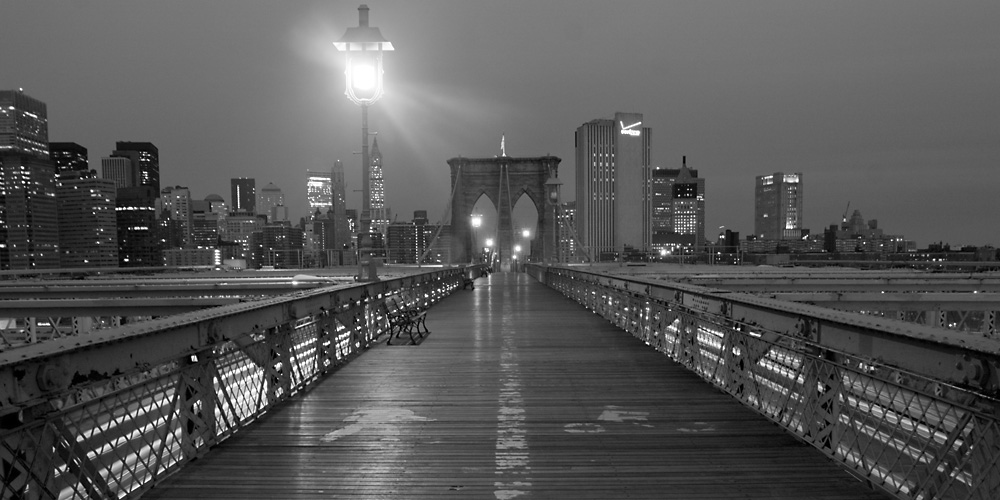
x=890 y=107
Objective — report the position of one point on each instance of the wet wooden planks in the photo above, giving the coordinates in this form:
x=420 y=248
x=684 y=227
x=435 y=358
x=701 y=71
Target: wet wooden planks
x=517 y=393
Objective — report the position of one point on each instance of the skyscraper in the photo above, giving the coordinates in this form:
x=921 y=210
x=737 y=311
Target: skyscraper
x=24 y=125
x=71 y=161
x=268 y=199
x=29 y=230
x=29 y=226
x=244 y=195
x=778 y=206
x=567 y=237
x=145 y=162
x=118 y=169
x=176 y=205
x=379 y=214
x=342 y=231
x=139 y=244
x=319 y=190
x=217 y=206
x=613 y=185
x=87 y=222
x=678 y=202
x=204 y=225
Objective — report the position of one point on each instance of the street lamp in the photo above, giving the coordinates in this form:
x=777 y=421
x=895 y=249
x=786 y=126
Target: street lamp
x=363 y=46
x=477 y=220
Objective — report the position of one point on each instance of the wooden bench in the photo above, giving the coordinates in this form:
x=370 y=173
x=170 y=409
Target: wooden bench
x=468 y=280
x=405 y=314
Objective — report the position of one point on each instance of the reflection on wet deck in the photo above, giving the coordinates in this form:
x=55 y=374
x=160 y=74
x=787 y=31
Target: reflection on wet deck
x=518 y=392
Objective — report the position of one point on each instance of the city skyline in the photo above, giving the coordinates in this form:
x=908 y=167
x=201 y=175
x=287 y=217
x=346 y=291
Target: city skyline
x=885 y=106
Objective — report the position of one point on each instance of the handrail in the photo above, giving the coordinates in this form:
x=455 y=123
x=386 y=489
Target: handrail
x=912 y=409
x=108 y=414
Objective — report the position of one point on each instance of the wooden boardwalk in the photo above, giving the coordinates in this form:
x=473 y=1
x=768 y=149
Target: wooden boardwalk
x=518 y=392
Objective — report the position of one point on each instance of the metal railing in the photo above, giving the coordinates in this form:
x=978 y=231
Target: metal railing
x=108 y=414
x=912 y=409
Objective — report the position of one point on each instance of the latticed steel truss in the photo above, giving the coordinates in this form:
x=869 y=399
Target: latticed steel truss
x=911 y=409
x=105 y=416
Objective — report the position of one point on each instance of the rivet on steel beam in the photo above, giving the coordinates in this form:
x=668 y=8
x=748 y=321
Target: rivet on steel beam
x=52 y=377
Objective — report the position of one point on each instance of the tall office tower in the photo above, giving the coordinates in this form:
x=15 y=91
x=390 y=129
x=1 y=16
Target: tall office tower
x=778 y=206
x=379 y=215
x=87 y=221
x=204 y=224
x=71 y=161
x=278 y=245
x=566 y=234
x=425 y=232
x=175 y=205
x=29 y=225
x=145 y=162
x=663 y=197
x=269 y=198
x=678 y=209
x=217 y=206
x=239 y=227
x=401 y=243
x=138 y=241
x=319 y=190
x=244 y=195
x=342 y=229
x=119 y=170
x=24 y=125
x=318 y=239
x=613 y=185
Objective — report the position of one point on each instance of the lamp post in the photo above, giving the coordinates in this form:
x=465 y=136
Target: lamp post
x=525 y=235
x=552 y=188
x=489 y=252
x=477 y=220
x=363 y=46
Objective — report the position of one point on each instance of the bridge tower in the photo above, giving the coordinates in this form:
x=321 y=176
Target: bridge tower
x=503 y=179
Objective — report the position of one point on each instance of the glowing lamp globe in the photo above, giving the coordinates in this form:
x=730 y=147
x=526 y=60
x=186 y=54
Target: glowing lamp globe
x=363 y=46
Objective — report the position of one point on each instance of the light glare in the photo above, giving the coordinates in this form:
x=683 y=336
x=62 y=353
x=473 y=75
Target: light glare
x=363 y=77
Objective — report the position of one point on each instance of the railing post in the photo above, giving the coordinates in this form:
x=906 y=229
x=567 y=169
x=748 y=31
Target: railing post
x=280 y=367
x=821 y=391
x=197 y=400
x=990 y=325
x=326 y=341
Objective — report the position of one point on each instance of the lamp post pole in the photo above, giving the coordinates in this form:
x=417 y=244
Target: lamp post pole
x=366 y=192
x=363 y=46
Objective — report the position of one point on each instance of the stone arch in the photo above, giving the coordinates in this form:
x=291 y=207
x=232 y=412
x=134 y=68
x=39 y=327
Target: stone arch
x=499 y=178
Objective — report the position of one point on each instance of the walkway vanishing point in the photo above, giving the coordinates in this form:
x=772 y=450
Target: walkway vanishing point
x=518 y=392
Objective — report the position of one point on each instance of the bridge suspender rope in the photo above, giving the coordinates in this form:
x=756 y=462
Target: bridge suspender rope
x=580 y=249
x=447 y=211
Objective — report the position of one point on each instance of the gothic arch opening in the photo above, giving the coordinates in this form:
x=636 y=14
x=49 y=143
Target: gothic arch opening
x=506 y=182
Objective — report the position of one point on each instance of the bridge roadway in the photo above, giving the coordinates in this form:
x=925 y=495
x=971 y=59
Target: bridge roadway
x=518 y=392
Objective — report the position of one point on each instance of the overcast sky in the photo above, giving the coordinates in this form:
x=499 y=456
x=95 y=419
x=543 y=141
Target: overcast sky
x=891 y=106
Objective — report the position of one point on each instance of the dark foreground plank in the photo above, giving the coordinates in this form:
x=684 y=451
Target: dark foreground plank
x=519 y=393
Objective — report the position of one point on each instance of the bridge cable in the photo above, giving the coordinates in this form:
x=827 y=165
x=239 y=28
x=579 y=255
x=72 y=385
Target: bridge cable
x=447 y=210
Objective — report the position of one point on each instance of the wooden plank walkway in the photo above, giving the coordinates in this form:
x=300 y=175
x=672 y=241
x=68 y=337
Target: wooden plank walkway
x=517 y=393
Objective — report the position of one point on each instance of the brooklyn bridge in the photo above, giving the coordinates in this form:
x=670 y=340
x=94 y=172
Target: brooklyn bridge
x=559 y=382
